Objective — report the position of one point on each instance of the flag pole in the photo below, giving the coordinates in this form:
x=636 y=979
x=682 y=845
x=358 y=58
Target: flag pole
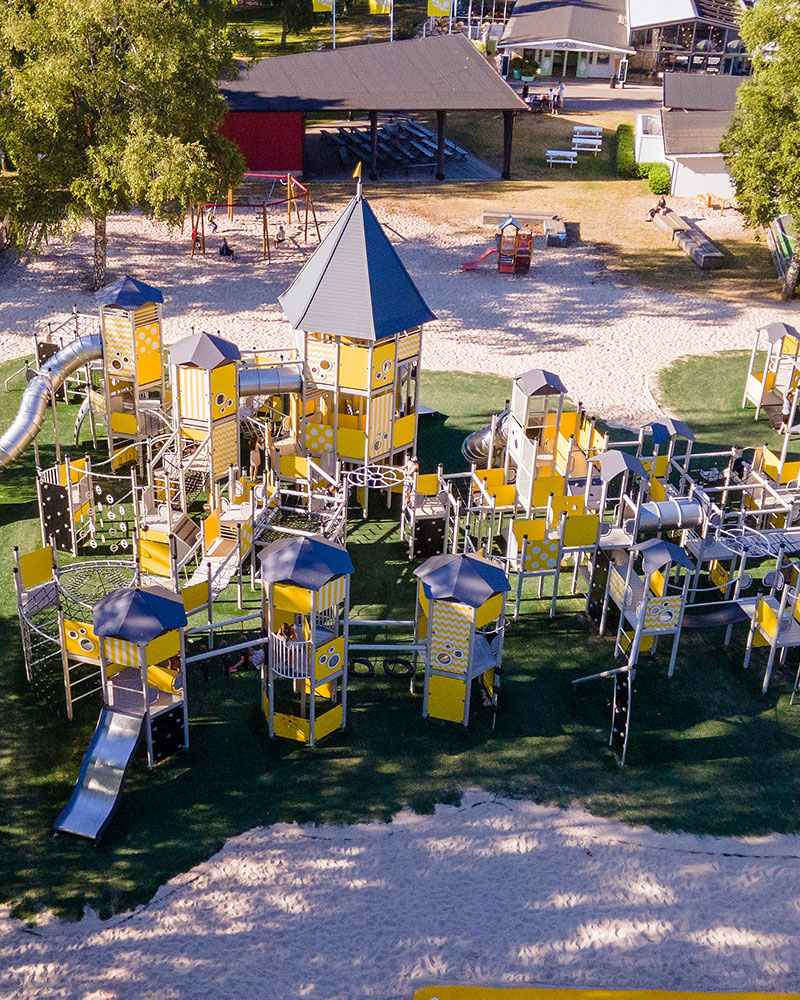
x=334 y=23
x=391 y=21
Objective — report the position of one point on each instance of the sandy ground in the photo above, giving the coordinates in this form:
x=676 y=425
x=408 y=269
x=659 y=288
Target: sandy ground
x=494 y=892
x=569 y=315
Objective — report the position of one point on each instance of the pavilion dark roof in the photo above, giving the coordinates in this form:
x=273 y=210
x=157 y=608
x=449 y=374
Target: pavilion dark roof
x=441 y=73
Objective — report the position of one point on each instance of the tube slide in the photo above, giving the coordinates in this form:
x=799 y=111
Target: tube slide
x=269 y=381
x=52 y=375
x=102 y=775
x=475 y=448
x=38 y=393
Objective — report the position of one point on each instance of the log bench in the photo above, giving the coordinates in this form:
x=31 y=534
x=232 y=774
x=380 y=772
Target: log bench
x=691 y=240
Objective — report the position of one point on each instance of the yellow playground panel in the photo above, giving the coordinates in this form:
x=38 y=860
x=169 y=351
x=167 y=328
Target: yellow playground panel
x=516 y=993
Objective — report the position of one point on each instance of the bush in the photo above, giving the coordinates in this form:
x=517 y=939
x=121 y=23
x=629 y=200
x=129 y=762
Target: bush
x=515 y=63
x=529 y=67
x=406 y=27
x=658 y=178
x=627 y=167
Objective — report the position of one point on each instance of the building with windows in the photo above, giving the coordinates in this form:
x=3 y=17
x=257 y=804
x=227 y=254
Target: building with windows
x=569 y=39
x=687 y=36
x=589 y=38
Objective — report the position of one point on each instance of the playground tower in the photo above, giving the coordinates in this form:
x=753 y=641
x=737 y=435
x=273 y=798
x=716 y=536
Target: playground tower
x=358 y=318
x=133 y=371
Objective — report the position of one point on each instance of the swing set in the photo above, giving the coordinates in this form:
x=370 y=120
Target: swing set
x=296 y=194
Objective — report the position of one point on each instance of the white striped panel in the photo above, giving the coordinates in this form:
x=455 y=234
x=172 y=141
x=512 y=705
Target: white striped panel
x=193 y=389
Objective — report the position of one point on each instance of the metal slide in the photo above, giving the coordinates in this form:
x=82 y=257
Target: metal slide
x=38 y=393
x=102 y=775
x=475 y=448
x=269 y=381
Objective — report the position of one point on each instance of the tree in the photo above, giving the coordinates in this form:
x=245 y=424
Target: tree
x=296 y=16
x=109 y=104
x=762 y=146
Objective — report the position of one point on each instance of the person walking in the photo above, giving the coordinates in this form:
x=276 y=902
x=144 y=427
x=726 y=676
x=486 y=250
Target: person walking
x=560 y=96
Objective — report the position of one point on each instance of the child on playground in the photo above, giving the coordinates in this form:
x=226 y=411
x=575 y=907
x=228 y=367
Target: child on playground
x=255 y=457
x=786 y=411
x=287 y=633
x=280 y=236
x=225 y=250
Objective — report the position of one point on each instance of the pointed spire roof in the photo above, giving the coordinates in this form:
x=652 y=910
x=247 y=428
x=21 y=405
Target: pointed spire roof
x=128 y=293
x=354 y=284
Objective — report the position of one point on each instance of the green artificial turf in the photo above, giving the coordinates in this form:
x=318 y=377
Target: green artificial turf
x=706 y=391
x=708 y=753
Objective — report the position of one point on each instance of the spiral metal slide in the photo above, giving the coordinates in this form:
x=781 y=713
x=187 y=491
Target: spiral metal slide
x=54 y=372
x=475 y=448
x=39 y=391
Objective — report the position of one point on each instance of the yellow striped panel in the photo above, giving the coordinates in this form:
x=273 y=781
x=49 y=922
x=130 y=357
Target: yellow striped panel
x=331 y=594
x=450 y=634
x=121 y=652
x=118 y=348
x=381 y=413
x=224 y=447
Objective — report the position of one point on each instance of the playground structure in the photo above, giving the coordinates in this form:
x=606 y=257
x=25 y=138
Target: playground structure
x=653 y=536
x=513 y=246
x=296 y=193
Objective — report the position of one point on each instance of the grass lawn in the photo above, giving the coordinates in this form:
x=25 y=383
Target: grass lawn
x=708 y=753
x=353 y=24
x=706 y=391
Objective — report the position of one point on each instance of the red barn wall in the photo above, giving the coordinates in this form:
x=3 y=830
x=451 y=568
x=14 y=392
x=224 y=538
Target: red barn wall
x=268 y=140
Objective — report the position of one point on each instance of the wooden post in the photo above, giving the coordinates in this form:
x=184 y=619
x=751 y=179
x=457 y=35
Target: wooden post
x=264 y=231
x=305 y=222
x=373 y=145
x=202 y=228
x=441 y=117
x=508 y=131
x=230 y=204
x=266 y=236
x=314 y=215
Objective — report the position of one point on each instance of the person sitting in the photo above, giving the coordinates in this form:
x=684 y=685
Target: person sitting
x=280 y=236
x=660 y=209
x=225 y=250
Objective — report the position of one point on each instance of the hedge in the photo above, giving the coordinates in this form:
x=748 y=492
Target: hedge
x=627 y=168
x=658 y=178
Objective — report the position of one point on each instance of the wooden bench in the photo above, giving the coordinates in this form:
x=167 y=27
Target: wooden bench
x=691 y=240
x=554 y=228
x=671 y=223
x=569 y=156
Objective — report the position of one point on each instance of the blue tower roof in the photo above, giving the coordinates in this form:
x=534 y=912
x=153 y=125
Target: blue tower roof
x=354 y=284
x=128 y=293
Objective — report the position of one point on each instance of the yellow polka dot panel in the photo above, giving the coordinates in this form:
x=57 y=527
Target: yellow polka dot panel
x=541 y=556
x=450 y=636
x=319 y=439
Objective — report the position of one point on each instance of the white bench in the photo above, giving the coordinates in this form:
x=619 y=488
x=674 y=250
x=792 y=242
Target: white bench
x=569 y=156
x=586 y=144
x=590 y=130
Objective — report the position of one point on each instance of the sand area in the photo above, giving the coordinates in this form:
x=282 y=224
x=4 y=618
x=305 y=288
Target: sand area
x=570 y=315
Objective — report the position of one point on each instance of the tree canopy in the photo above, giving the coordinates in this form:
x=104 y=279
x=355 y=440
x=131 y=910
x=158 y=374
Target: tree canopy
x=109 y=104
x=762 y=147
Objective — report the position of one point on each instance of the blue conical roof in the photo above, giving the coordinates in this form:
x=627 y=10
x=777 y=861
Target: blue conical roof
x=354 y=284
x=128 y=293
